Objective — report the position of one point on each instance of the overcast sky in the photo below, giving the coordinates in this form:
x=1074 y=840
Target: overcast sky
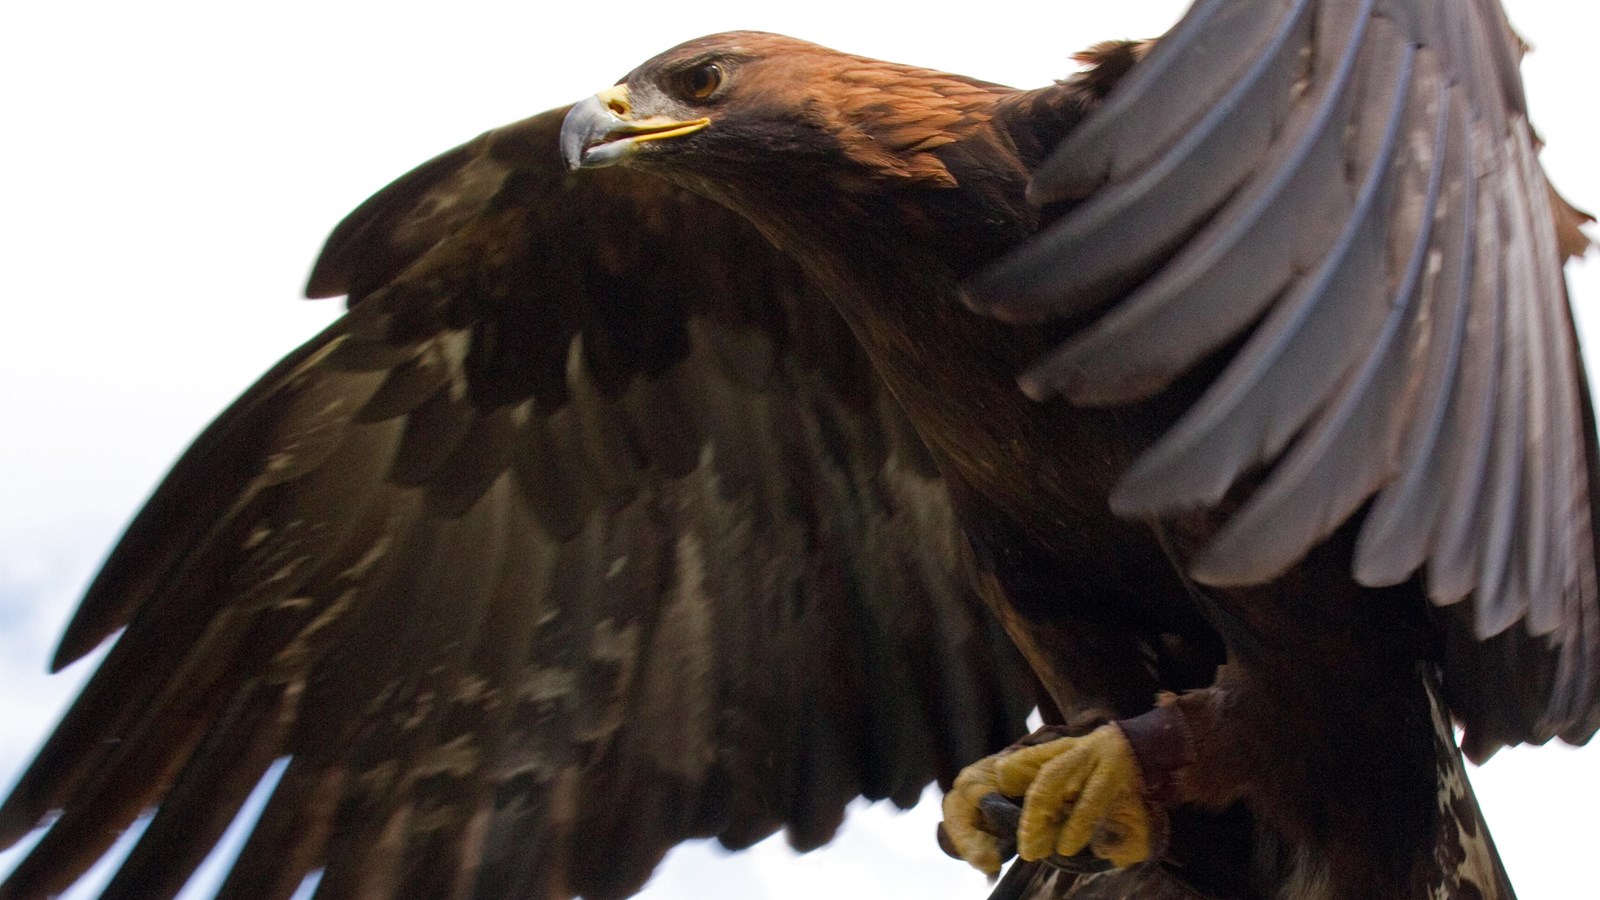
x=172 y=168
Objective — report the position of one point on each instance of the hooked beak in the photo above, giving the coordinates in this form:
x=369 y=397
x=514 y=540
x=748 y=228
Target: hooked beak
x=601 y=130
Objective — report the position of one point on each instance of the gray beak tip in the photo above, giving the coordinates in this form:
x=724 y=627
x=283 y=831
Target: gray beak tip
x=584 y=135
x=573 y=134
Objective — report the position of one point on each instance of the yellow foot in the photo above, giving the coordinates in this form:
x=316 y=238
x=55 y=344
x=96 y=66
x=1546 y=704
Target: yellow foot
x=1076 y=792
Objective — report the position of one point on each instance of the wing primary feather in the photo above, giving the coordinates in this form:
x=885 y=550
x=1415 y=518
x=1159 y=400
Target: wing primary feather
x=1500 y=600
x=201 y=805
x=1543 y=409
x=1553 y=424
x=287 y=841
x=138 y=750
x=1343 y=458
x=1395 y=536
x=1198 y=459
x=96 y=730
x=180 y=512
x=144 y=752
x=1453 y=566
x=1150 y=108
x=1095 y=252
x=447 y=573
x=452 y=780
x=1229 y=272
x=1578 y=678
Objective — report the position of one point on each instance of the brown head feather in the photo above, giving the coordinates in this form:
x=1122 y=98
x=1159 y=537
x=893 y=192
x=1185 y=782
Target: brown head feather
x=886 y=118
x=890 y=118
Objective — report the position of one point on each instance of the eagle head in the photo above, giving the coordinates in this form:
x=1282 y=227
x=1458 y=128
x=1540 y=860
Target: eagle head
x=747 y=105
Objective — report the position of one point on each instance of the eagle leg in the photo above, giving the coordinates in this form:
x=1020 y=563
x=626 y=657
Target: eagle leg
x=1089 y=792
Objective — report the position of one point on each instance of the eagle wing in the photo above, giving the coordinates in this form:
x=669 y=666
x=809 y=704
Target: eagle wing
x=1338 y=208
x=588 y=529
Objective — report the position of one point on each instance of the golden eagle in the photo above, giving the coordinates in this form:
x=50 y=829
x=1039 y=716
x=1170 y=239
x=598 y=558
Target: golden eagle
x=604 y=519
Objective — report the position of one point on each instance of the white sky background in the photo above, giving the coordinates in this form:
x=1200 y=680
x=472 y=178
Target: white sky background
x=171 y=169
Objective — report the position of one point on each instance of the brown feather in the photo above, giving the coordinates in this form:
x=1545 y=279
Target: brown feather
x=578 y=503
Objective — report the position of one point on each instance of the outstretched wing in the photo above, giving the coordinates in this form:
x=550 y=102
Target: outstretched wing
x=1339 y=207
x=587 y=530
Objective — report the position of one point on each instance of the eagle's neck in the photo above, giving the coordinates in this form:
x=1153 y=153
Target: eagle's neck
x=892 y=257
x=892 y=254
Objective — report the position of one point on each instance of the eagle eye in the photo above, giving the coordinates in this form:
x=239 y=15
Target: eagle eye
x=700 y=82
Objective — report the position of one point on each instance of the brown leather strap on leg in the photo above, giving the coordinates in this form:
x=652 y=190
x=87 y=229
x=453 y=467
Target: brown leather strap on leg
x=1163 y=747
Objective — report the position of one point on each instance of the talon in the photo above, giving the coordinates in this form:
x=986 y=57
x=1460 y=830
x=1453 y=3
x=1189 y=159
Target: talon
x=963 y=818
x=1078 y=792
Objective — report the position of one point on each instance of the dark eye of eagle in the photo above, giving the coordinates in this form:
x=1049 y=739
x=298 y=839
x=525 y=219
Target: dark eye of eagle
x=700 y=82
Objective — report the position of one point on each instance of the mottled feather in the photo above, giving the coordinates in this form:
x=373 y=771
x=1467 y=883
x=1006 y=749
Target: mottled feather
x=576 y=502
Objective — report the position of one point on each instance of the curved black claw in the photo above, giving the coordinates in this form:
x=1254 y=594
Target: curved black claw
x=1001 y=815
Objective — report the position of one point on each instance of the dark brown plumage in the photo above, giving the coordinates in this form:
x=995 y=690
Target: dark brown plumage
x=601 y=522
x=468 y=536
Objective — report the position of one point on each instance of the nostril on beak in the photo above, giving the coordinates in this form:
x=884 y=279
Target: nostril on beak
x=616 y=100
